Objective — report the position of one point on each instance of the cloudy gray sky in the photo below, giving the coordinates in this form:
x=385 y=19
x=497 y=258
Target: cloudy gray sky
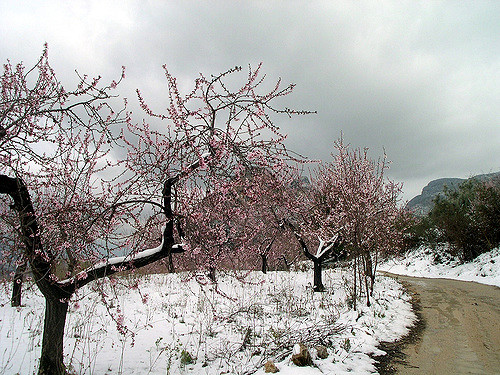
x=418 y=78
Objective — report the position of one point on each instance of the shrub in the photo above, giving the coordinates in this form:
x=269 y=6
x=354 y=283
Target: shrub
x=468 y=219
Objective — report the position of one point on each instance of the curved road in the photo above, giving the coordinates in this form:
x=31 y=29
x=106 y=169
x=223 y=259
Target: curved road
x=462 y=328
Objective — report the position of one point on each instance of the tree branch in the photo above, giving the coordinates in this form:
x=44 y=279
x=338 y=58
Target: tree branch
x=38 y=258
x=299 y=238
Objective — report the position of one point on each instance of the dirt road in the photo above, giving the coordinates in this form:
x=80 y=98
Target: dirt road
x=462 y=328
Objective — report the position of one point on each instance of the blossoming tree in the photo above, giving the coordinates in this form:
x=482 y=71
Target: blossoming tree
x=74 y=211
x=237 y=225
x=355 y=198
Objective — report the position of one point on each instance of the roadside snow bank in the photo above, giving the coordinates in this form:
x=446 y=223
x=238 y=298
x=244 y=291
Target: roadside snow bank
x=388 y=318
x=485 y=269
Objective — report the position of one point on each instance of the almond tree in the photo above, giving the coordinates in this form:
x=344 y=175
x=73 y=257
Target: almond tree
x=331 y=249
x=306 y=223
x=47 y=134
x=265 y=200
x=236 y=224
x=72 y=202
x=359 y=202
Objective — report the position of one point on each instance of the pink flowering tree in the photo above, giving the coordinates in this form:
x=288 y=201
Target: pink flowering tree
x=73 y=212
x=304 y=223
x=240 y=221
x=358 y=201
x=53 y=144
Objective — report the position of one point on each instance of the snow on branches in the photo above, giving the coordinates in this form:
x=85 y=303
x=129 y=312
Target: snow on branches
x=88 y=185
x=356 y=199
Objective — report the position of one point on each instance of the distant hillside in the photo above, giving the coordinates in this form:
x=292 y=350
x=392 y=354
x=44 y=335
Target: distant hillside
x=423 y=203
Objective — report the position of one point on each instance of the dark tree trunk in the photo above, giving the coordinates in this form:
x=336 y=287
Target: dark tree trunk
x=368 y=303
x=355 y=292
x=374 y=263
x=285 y=262
x=264 y=263
x=17 y=285
x=318 y=282
x=325 y=251
x=372 y=283
x=367 y=261
x=211 y=274
x=263 y=252
x=51 y=360
x=170 y=263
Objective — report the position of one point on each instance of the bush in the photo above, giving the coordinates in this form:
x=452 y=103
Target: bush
x=487 y=211
x=468 y=219
x=419 y=232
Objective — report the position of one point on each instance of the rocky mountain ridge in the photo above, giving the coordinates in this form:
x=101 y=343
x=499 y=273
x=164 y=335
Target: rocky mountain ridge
x=423 y=203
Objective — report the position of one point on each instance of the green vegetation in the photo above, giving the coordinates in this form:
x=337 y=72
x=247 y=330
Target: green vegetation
x=468 y=220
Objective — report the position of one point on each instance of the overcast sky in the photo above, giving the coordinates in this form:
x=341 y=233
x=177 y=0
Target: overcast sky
x=418 y=78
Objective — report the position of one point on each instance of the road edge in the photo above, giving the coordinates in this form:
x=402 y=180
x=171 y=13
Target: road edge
x=385 y=364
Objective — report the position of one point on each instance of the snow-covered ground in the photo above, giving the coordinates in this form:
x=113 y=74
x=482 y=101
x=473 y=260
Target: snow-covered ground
x=177 y=326
x=485 y=269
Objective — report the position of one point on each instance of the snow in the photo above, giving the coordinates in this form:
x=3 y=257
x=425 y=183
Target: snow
x=322 y=249
x=118 y=261
x=421 y=262
x=231 y=327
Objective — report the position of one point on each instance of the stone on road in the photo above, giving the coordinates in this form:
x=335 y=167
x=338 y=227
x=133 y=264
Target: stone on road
x=462 y=328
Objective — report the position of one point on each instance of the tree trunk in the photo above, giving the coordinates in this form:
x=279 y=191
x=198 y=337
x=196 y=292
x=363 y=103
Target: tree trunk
x=211 y=274
x=367 y=274
x=318 y=283
x=17 y=285
x=285 y=262
x=264 y=263
x=355 y=292
x=372 y=283
x=51 y=360
x=170 y=263
x=367 y=291
x=374 y=273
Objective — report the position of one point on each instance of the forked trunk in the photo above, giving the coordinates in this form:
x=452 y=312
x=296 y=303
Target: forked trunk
x=51 y=360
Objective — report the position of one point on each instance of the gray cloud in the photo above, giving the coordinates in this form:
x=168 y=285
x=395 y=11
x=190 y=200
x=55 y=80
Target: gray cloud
x=420 y=79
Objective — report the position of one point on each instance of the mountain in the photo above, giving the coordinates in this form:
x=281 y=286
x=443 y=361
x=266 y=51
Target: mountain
x=423 y=203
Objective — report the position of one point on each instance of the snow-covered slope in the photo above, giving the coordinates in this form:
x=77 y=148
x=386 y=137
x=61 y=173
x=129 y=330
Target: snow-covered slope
x=484 y=269
x=232 y=327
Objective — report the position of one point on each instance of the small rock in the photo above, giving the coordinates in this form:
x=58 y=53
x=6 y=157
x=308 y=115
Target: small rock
x=322 y=351
x=301 y=356
x=270 y=367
